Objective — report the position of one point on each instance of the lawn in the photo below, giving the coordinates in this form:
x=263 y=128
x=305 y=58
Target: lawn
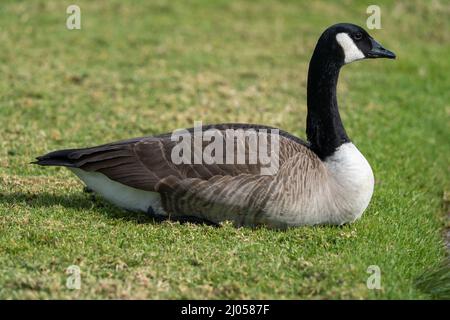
x=146 y=67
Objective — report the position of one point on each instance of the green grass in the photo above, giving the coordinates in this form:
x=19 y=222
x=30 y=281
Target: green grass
x=147 y=67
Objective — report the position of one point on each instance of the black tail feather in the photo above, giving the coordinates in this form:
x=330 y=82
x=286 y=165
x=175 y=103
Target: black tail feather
x=56 y=158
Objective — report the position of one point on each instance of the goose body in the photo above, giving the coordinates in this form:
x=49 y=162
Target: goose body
x=325 y=180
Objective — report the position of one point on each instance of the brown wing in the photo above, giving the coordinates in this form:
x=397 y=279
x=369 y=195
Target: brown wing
x=247 y=199
x=240 y=199
x=144 y=162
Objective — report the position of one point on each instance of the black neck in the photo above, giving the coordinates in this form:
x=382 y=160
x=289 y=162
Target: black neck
x=324 y=127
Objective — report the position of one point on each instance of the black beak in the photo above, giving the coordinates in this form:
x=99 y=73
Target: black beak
x=378 y=51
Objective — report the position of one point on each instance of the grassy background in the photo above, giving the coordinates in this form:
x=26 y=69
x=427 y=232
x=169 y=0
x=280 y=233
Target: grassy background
x=146 y=67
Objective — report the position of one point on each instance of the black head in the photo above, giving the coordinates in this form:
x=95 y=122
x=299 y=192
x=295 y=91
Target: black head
x=347 y=42
x=338 y=45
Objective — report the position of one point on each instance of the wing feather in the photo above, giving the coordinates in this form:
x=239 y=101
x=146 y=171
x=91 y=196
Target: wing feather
x=144 y=162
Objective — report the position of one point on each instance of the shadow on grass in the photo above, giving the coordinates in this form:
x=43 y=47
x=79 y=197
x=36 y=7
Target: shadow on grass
x=88 y=201
x=78 y=202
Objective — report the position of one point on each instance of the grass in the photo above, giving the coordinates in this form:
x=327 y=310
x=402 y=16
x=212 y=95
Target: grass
x=142 y=68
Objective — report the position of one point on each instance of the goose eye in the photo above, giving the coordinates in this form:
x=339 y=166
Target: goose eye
x=357 y=36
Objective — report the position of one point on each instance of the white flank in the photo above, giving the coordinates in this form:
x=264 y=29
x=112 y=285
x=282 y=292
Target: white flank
x=353 y=181
x=119 y=194
x=351 y=51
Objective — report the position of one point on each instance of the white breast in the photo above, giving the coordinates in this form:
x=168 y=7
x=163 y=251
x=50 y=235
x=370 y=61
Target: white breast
x=352 y=181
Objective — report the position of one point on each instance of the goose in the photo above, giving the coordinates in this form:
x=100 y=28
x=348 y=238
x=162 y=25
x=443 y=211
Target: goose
x=324 y=180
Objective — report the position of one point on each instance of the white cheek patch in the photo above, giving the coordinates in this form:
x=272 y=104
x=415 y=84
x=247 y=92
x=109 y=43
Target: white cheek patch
x=351 y=51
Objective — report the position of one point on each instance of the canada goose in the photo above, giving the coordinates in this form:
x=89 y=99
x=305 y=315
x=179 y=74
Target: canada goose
x=323 y=181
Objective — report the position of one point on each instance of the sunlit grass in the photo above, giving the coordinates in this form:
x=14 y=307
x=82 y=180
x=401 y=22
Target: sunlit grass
x=145 y=67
